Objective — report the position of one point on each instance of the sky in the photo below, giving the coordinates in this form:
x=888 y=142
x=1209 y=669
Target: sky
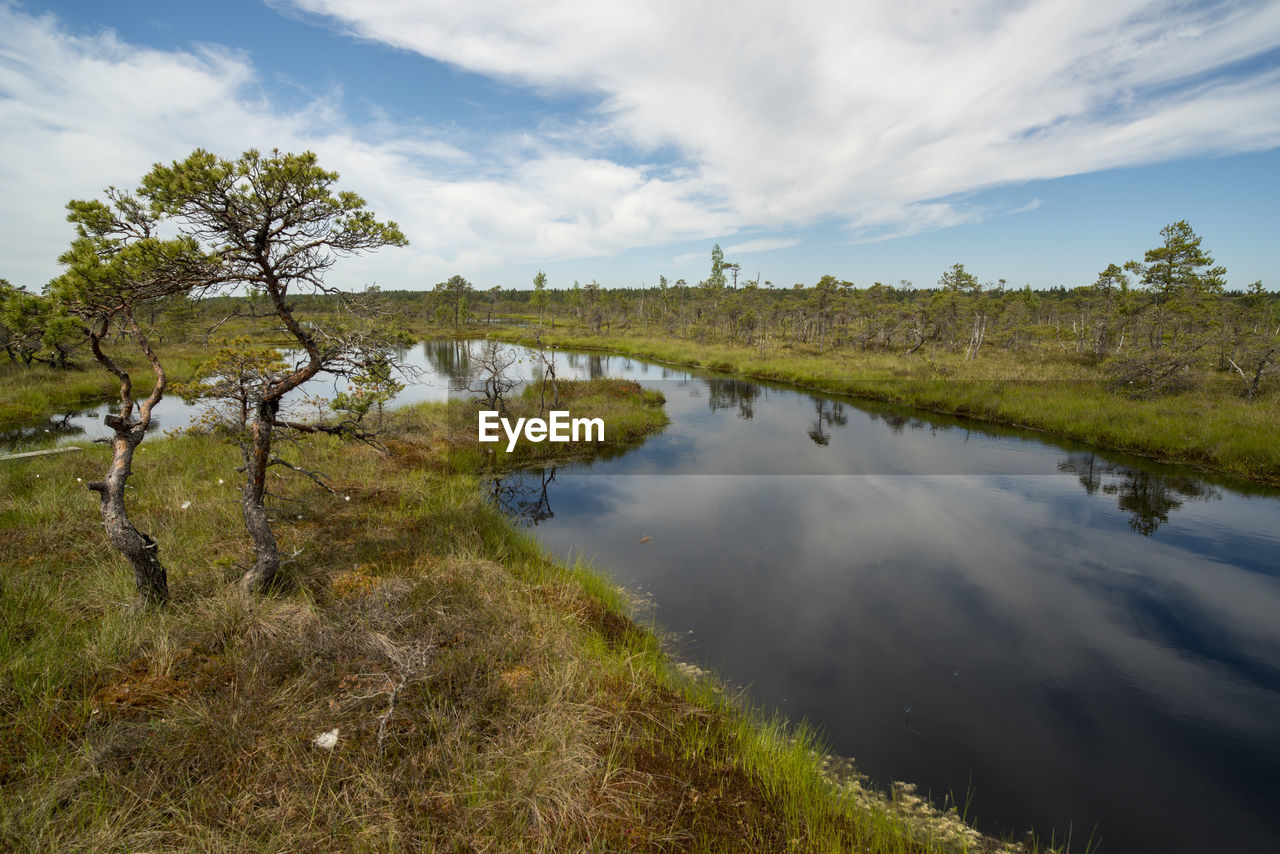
x=617 y=140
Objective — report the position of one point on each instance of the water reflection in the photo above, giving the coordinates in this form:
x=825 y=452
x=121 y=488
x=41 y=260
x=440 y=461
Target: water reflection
x=1148 y=497
x=525 y=495
x=1082 y=640
x=830 y=413
x=59 y=427
x=897 y=422
x=727 y=394
x=450 y=359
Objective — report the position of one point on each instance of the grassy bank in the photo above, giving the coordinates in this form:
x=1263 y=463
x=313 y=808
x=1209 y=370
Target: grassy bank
x=630 y=413
x=1209 y=426
x=481 y=696
x=32 y=392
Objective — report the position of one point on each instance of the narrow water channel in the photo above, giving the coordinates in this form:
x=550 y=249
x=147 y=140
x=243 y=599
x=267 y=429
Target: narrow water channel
x=1066 y=639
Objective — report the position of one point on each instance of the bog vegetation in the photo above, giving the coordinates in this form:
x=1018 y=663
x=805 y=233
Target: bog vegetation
x=332 y=638
x=1156 y=356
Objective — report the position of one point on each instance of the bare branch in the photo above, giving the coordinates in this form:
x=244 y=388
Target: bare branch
x=315 y=476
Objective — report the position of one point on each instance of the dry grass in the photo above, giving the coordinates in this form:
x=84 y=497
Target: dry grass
x=484 y=698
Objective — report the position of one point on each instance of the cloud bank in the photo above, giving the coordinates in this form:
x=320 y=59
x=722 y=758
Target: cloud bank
x=734 y=117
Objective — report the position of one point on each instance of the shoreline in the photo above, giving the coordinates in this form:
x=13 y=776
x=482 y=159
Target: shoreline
x=508 y=660
x=929 y=396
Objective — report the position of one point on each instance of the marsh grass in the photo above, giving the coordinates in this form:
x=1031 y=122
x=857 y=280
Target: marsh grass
x=29 y=393
x=450 y=430
x=486 y=698
x=1208 y=424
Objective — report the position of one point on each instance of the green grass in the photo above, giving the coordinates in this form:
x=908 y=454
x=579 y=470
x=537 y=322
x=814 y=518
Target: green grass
x=1209 y=426
x=29 y=393
x=629 y=412
x=531 y=712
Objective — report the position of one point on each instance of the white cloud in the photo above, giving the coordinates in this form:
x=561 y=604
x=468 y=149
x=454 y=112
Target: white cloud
x=686 y=258
x=77 y=114
x=877 y=114
x=794 y=112
x=761 y=244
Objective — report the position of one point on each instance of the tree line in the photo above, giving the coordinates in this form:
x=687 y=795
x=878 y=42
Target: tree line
x=1149 y=323
x=255 y=236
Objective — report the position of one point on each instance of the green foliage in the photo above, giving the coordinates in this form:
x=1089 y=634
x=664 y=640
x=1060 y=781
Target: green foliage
x=539 y=298
x=958 y=279
x=371 y=388
x=1180 y=280
x=452 y=299
x=1179 y=268
x=117 y=262
x=277 y=223
x=1253 y=337
x=231 y=380
x=275 y=220
x=715 y=282
x=31 y=324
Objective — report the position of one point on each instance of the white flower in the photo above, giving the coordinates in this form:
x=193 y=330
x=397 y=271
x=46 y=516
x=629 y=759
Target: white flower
x=347 y=497
x=326 y=740
x=78 y=480
x=186 y=504
x=220 y=480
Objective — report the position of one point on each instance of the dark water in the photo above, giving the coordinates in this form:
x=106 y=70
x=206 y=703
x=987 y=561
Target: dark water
x=1076 y=642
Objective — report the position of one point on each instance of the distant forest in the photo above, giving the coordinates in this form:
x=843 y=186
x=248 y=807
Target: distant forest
x=1150 y=322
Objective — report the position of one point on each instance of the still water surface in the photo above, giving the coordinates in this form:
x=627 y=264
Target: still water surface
x=1075 y=641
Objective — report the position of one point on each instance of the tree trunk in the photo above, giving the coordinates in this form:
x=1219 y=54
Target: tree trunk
x=139 y=549
x=257 y=459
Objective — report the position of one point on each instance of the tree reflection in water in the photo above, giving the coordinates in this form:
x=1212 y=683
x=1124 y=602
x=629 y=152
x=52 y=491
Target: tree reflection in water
x=1147 y=496
x=523 y=495
x=61 y=426
x=725 y=394
x=897 y=422
x=450 y=359
x=830 y=413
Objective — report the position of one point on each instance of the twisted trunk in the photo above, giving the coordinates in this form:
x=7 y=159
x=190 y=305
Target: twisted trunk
x=257 y=459
x=138 y=548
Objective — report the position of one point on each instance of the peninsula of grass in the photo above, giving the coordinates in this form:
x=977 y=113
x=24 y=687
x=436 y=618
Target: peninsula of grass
x=426 y=678
x=1209 y=426
x=629 y=412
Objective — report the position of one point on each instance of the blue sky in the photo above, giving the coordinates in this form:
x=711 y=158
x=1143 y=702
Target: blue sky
x=1033 y=141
